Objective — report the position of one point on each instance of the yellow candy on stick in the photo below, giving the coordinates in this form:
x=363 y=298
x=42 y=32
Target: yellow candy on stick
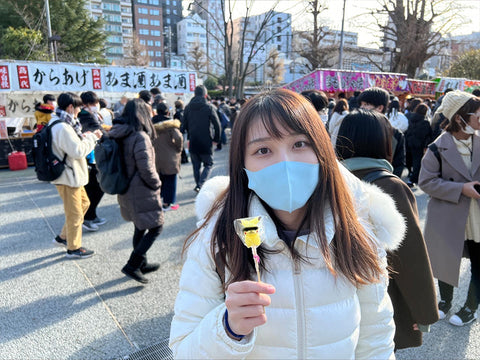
x=249 y=230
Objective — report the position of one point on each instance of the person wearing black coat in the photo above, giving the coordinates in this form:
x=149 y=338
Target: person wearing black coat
x=417 y=137
x=203 y=128
x=91 y=121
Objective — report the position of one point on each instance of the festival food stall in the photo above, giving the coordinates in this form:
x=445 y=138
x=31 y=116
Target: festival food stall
x=334 y=81
x=23 y=84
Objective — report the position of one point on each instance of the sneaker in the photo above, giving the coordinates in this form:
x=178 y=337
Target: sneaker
x=463 y=317
x=59 y=241
x=99 y=221
x=80 y=253
x=443 y=309
x=89 y=225
x=171 y=207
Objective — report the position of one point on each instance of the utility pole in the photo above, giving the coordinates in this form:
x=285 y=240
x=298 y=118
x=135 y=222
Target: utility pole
x=340 y=57
x=51 y=52
x=168 y=32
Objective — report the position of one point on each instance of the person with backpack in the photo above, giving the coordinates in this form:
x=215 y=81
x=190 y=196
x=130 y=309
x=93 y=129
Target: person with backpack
x=71 y=144
x=141 y=203
x=452 y=226
x=364 y=147
x=323 y=289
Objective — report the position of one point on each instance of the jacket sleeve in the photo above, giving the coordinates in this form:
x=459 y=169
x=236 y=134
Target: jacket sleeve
x=197 y=330
x=145 y=161
x=216 y=124
x=377 y=327
x=431 y=182
x=412 y=272
x=177 y=140
x=69 y=142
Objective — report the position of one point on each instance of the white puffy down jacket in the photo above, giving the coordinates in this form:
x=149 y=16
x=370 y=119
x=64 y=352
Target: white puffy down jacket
x=312 y=315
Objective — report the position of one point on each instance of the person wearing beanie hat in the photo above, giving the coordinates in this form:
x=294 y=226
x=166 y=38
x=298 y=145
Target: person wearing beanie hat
x=450 y=174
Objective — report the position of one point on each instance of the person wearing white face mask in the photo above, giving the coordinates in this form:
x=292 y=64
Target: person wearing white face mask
x=91 y=120
x=450 y=174
x=322 y=255
x=73 y=145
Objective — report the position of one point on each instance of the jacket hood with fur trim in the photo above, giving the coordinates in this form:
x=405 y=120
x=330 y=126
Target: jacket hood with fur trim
x=376 y=210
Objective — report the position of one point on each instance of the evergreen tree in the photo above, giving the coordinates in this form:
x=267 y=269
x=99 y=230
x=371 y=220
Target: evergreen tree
x=81 y=38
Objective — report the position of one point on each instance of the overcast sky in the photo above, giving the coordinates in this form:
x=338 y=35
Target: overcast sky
x=354 y=21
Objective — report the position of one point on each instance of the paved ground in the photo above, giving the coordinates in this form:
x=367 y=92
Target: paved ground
x=54 y=308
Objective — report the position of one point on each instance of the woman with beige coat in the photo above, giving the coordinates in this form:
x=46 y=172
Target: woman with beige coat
x=449 y=175
x=168 y=149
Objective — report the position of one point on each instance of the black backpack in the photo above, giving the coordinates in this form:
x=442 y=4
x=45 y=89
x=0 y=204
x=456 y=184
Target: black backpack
x=111 y=173
x=47 y=165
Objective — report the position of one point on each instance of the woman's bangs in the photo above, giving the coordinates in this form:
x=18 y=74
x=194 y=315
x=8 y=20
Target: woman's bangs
x=277 y=116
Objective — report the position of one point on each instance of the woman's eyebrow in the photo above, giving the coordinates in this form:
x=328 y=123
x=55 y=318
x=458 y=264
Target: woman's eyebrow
x=261 y=139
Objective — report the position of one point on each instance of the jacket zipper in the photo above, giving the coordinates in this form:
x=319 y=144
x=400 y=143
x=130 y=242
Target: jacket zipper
x=297 y=280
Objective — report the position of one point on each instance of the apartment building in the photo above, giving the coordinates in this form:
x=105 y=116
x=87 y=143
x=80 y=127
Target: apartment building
x=148 y=27
x=117 y=15
x=211 y=11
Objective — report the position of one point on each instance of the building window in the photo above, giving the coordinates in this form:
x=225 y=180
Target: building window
x=279 y=29
x=150 y=53
x=152 y=63
x=279 y=47
x=168 y=2
x=158 y=63
x=143 y=21
x=154 y=12
x=142 y=10
x=153 y=2
x=155 y=33
x=279 y=20
x=168 y=11
x=141 y=41
x=174 y=3
x=143 y=31
x=143 y=1
x=158 y=43
x=155 y=22
x=158 y=53
x=168 y=20
x=175 y=11
x=150 y=42
x=279 y=39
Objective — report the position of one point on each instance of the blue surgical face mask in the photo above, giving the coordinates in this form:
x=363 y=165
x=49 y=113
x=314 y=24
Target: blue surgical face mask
x=286 y=185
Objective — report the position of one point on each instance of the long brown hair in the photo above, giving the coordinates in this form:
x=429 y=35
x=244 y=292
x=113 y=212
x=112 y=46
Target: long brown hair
x=353 y=252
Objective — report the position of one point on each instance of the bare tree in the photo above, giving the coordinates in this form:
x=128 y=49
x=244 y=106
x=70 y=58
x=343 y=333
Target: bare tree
x=238 y=57
x=275 y=68
x=309 y=44
x=136 y=53
x=413 y=30
x=197 y=59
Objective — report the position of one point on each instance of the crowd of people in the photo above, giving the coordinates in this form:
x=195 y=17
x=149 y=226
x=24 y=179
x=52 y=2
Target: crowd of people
x=330 y=179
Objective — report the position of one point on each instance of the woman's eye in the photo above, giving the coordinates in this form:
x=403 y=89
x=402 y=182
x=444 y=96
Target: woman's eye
x=300 y=144
x=262 y=151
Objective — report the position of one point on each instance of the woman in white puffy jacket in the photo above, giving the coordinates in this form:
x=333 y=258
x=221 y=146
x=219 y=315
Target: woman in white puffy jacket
x=323 y=293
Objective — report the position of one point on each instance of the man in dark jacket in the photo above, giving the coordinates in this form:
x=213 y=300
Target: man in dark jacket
x=203 y=128
x=91 y=121
x=377 y=99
